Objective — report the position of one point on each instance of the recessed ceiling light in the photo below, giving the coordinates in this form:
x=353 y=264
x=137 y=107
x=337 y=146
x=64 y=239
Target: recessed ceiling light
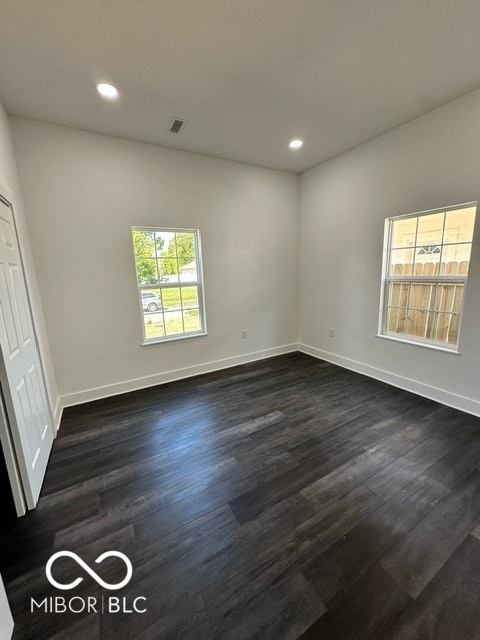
x=295 y=144
x=107 y=90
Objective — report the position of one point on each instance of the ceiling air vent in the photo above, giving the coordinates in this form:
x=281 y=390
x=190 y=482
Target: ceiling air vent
x=177 y=125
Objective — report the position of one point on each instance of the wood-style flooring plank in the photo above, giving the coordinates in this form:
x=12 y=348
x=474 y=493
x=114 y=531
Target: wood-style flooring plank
x=274 y=500
x=414 y=561
x=167 y=489
x=217 y=527
x=191 y=622
x=87 y=628
x=264 y=558
x=392 y=478
x=253 y=502
x=457 y=464
x=283 y=610
x=366 y=612
x=346 y=561
x=358 y=470
x=449 y=608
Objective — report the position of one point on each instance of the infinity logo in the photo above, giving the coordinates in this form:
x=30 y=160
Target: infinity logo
x=95 y=576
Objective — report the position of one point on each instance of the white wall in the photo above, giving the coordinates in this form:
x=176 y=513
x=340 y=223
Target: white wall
x=84 y=191
x=431 y=162
x=9 y=183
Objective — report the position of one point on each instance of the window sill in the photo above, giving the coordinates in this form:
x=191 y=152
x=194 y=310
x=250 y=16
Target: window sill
x=417 y=343
x=184 y=336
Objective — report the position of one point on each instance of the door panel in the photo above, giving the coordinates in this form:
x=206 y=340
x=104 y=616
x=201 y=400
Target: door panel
x=22 y=377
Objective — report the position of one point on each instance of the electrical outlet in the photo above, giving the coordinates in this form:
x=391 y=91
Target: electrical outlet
x=244 y=333
x=331 y=333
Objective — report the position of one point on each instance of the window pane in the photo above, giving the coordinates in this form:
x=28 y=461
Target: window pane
x=455 y=259
x=146 y=271
x=431 y=268
x=165 y=271
x=449 y=297
x=171 y=299
x=191 y=319
x=186 y=245
x=151 y=300
x=187 y=269
x=394 y=294
x=457 y=303
x=398 y=294
x=189 y=297
x=401 y=262
x=143 y=244
x=446 y=327
x=427 y=260
x=419 y=323
x=404 y=232
x=173 y=323
x=459 y=225
x=463 y=268
x=165 y=242
x=396 y=320
x=391 y=320
x=430 y=229
x=422 y=296
x=168 y=268
x=452 y=337
x=154 y=326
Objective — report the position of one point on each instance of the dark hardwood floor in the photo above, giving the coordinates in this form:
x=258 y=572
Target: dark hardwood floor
x=283 y=499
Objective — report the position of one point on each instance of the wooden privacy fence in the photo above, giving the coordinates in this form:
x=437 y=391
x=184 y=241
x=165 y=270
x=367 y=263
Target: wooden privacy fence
x=426 y=309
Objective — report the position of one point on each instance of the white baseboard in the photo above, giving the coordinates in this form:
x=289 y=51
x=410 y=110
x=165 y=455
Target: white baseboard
x=469 y=405
x=97 y=393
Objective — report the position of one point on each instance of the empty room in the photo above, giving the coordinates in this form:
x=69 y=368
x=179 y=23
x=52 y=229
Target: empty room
x=239 y=328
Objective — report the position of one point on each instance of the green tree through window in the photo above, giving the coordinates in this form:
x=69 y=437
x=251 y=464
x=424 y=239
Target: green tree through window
x=183 y=248
x=170 y=284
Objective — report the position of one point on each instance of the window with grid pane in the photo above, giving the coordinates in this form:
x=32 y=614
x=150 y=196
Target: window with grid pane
x=427 y=257
x=170 y=283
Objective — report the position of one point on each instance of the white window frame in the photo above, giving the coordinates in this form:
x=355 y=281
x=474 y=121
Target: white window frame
x=199 y=283
x=440 y=279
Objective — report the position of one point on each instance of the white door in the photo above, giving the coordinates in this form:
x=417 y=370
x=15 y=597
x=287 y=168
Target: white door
x=23 y=384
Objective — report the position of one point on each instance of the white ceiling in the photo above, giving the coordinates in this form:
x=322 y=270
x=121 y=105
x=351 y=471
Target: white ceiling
x=248 y=75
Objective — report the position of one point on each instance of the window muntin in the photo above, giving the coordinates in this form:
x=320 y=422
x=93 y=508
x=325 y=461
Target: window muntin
x=427 y=257
x=170 y=283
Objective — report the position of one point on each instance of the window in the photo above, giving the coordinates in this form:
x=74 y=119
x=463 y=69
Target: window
x=170 y=283
x=426 y=261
